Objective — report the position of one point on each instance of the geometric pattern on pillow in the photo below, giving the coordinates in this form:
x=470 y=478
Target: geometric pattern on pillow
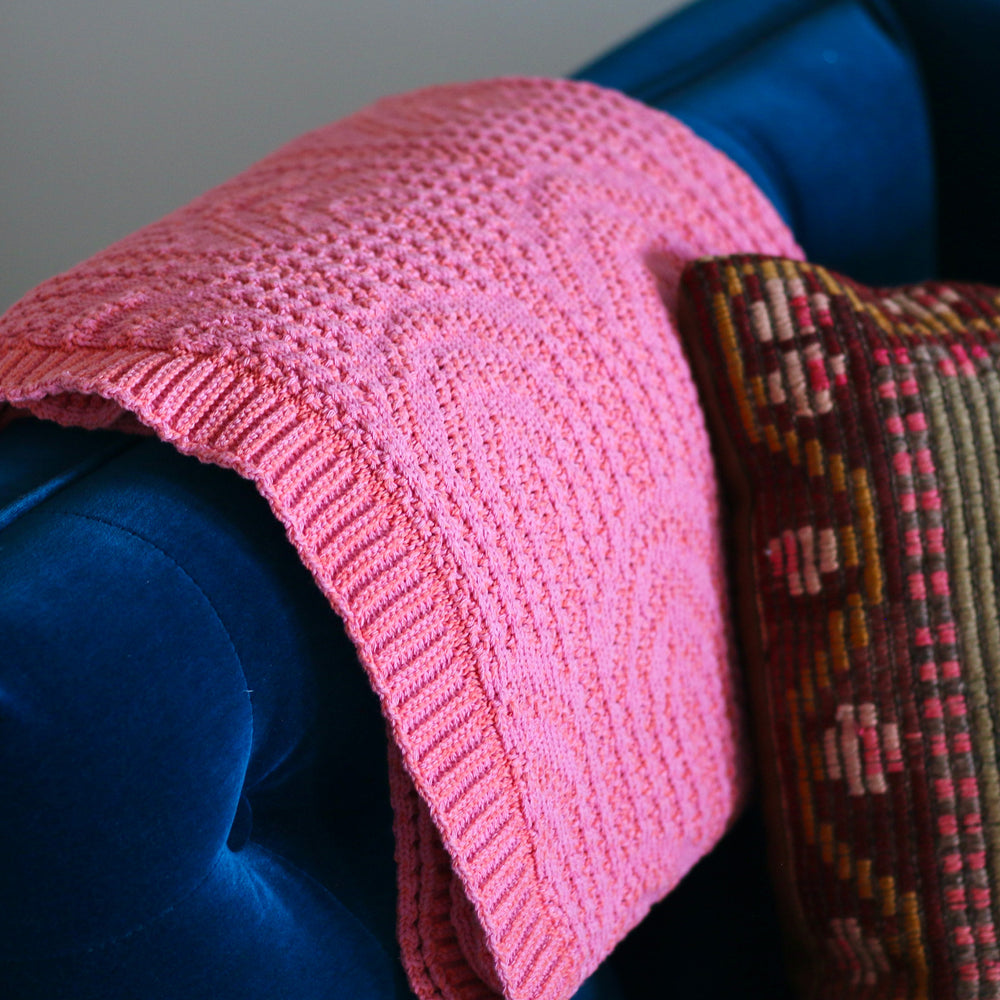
x=858 y=433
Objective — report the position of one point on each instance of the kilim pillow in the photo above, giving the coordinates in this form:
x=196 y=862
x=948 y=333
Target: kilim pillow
x=857 y=430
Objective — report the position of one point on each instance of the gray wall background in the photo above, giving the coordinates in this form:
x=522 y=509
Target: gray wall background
x=114 y=112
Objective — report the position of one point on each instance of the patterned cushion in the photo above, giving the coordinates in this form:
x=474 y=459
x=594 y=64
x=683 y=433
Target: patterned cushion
x=857 y=430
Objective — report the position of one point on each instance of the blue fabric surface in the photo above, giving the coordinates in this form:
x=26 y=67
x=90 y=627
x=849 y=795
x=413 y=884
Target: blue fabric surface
x=821 y=102
x=181 y=711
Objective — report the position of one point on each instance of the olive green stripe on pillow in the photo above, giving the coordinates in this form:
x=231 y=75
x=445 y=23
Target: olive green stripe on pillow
x=959 y=424
x=953 y=449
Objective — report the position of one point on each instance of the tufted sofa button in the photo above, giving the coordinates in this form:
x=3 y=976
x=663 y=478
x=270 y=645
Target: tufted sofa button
x=242 y=826
x=158 y=638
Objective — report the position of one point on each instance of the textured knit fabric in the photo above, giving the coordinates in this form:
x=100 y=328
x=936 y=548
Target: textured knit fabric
x=861 y=427
x=437 y=335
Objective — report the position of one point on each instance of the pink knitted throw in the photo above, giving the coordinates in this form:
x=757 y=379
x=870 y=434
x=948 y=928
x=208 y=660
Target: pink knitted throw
x=438 y=336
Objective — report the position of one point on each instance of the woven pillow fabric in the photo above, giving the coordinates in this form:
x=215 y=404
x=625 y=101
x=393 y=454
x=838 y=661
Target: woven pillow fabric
x=857 y=430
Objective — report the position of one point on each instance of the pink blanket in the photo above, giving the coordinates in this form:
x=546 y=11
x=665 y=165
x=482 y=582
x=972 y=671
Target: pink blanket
x=439 y=337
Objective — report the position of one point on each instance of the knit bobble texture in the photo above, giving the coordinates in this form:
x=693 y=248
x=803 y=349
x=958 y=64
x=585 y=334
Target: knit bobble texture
x=439 y=337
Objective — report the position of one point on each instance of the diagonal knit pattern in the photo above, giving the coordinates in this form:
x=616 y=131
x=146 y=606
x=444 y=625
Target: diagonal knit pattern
x=438 y=336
